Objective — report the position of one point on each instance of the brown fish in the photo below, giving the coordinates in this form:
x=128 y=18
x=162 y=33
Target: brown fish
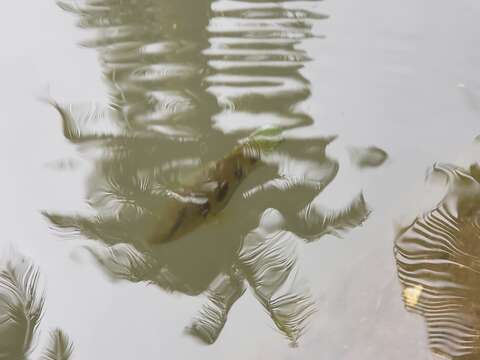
x=213 y=187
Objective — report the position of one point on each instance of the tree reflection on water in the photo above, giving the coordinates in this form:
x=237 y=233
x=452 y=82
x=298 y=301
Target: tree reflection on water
x=198 y=184
x=438 y=262
x=21 y=311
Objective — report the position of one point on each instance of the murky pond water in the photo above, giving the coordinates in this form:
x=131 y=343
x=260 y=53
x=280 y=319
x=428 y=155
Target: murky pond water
x=240 y=179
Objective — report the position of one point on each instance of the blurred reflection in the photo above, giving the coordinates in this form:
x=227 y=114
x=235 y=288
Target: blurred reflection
x=367 y=157
x=438 y=261
x=178 y=183
x=21 y=311
x=255 y=60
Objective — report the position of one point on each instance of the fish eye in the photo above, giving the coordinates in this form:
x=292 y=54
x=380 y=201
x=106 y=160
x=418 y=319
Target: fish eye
x=205 y=209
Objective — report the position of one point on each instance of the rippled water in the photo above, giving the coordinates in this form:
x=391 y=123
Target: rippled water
x=438 y=259
x=243 y=182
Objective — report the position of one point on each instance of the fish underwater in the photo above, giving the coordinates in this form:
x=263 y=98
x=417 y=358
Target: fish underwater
x=212 y=187
x=196 y=149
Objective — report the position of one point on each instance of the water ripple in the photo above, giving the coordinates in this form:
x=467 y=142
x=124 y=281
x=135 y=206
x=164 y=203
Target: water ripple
x=190 y=83
x=438 y=261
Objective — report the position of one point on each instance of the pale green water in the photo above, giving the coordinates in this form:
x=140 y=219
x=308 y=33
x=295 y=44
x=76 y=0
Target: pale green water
x=186 y=82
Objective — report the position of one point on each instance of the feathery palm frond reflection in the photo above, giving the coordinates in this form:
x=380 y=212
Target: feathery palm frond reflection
x=127 y=220
x=21 y=308
x=438 y=262
x=59 y=348
x=177 y=187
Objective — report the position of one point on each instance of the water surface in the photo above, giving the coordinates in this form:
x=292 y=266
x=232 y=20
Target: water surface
x=231 y=155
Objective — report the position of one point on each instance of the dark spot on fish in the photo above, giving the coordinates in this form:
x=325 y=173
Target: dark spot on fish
x=253 y=160
x=222 y=191
x=205 y=209
x=238 y=172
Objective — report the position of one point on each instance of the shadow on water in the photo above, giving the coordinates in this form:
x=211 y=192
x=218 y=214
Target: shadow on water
x=438 y=262
x=198 y=185
x=21 y=311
